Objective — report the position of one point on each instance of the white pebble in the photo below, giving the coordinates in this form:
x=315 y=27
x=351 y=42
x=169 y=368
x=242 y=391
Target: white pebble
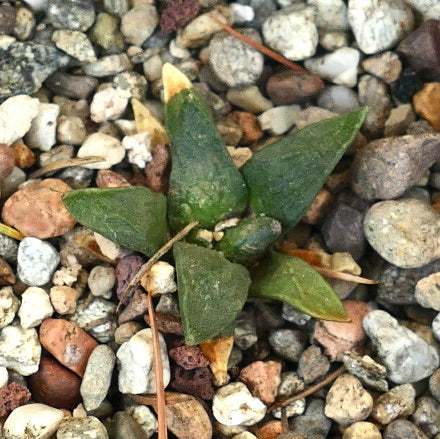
x=16 y=116
x=233 y=404
x=105 y=146
x=136 y=370
x=144 y=417
x=338 y=98
x=107 y=104
x=331 y=14
x=4 y=376
x=280 y=119
x=340 y=67
x=242 y=13
x=43 y=132
x=160 y=279
x=8 y=306
x=109 y=248
x=139 y=149
x=38 y=421
x=101 y=281
x=35 y=307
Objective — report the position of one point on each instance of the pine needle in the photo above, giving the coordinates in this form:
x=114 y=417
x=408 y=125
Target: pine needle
x=65 y=163
x=344 y=276
x=9 y=231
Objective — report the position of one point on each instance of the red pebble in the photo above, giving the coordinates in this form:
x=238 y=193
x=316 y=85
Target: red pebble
x=188 y=357
x=177 y=13
x=12 y=396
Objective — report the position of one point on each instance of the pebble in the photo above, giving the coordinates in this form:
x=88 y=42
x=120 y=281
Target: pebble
x=74 y=43
x=436 y=327
x=297 y=21
x=97 y=377
x=38 y=211
x=188 y=357
x=386 y=168
x=262 y=379
x=16 y=116
x=398 y=402
x=427 y=415
x=136 y=371
x=139 y=149
x=293 y=409
x=362 y=430
x=337 y=338
x=8 y=248
x=245 y=331
x=339 y=67
x=234 y=62
x=144 y=417
x=289 y=87
x=8 y=306
x=124 y=426
x=403 y=429
x=19 y=349
x=71 y=14
x=342 y=230
x=407 y=357
x=125 y=331
x=347 y=401
x=314 y=423
x=288 y=343
x=24 y=23
x=247 y=127
x=11 y=183
x=7 y=19
x=242 y=13
x=280 y=119
x=139 y=23
x=371 y=374
x=399 y=120
x=379 y=26
x=386 y=66
x=36 y=261
x=34 y=420
x=331 y=14
x=96 y=317
x=35 y=307
x=427 y=292
x=312 y=364
x=101 y=281
x=419 y=50
x=71 y=86
x=290 y=383
x=338 y=99
x=68 y=343
x=249 y=99
x=88 y=427
x=107 y=104
x=71 y=130
x=7 y=160
x=403 y=232
x=38 y=61
x=197 y=382
x=269 y=430
x=105 y=32
x=116 y=7
x=106 y=178
x=108 y=65
x=233 y=404
x=55 y=385
x=434 y=384
x=4 y=376
x=131 y=85
x=424 y=103
x=105 y=146
x=374 y=94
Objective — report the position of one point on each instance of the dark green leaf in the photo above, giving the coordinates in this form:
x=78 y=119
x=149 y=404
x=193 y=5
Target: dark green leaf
x=134 y=217
x=212 y=291
x=293 y=281
x=284 y=178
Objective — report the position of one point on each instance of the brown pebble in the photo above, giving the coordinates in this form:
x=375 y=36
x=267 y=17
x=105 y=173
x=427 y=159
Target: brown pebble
x=158 y=170
x=269 y=430
x=24 y=156
x=107 y=178
x=177 y=13
x=7 y=19
x=263 y=379
x=37 y=210
x=249 y=124
x=55 y=385
x=336 y=337
x=319 y=207
x=7 y=160
x=426 y=103
x=12 y=396
x=188 y=357
x=288 y=87
x=196 y=382
x=136 y=308
x=7 y=276
x=68 y=343
x=167 y=323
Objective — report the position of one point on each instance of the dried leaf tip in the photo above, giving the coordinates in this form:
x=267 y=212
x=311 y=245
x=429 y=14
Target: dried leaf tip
x=9 y=231
x=174 y=81
x=146 y=121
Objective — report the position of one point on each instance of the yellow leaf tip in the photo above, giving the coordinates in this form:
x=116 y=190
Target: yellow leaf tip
x=174 y=81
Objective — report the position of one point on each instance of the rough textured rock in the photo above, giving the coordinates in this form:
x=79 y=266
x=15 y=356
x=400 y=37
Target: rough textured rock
x=196 y=382
x=12 y=395
x=314 y=423
x=408 y=357
x=87 y=427
x=71 y=14
x=404 y=232
x=312 y=364
x=8 y=306
x=403 y=429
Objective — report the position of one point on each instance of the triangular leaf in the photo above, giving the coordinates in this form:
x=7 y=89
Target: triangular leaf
x=293 y=281
x=284 y=178
x=134 y=217
x=212 y=291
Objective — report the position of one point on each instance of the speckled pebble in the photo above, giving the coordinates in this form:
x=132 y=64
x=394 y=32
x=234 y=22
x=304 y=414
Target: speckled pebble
x=82 y=428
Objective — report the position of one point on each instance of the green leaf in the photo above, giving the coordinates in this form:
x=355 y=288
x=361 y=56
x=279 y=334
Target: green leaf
x=212 y=291
x=293 y=281
x=134 y=217
x=284 y=178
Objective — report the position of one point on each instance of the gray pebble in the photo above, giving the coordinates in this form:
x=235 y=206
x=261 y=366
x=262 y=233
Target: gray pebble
x=77 y=177
x=71 y=86
x=125 y=427
x=312 y=364
x=436 y=326
x=407 y=357
x=338 y=98
x=234 y=62
x=292 y=315
x=97 y=377
x=108 y=65
x=290 y=383
x=434 y=384
x=245 y=331
x=404 y=232
x=71 y=14
x=116 y=7
x=8 y=248
x=313 y=424
x=36 y=261
x=418 y=193
x=288 y=343
x=88 y=427
x=386 y=168
x=403 y=429
x=427 y=415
